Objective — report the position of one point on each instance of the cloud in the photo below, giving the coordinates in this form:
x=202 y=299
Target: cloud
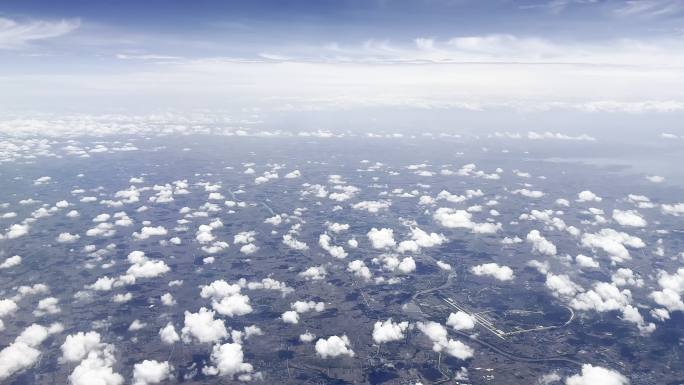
x=149 y=231
x=649 y=8
x=123 y=56
x=529 y=193
x=594 y=375
x=168 y=334
x=372 y=207
x=452 y=218
x=335 y=251
x=35 y=289
x=299 y=307
x=122 y=298
x=253 y=330
x=605 y=297
x=391 y=262
x=101 y=218
x=68 y=238
x=290 y=317
x=151 y=372
x=420 y=238
x=461 y=321
x=474 y=73
x=407 y=265
x=382 y=238
x=249 y=249
x=265 y=177
x=219 y=289
x=267 y=284
x=359 y=268
x=337 y=227
x=437 y=333
x=96 y=369
x=202 y=327
x=613 y=242
x=23 y=353
x=585 y=261
x=458 y=349
x=77 y=346
x=588 y=196
x=314 y=273
x=386 y=331
x=232 y=305
x=307 y=337
x=103 y=284
x=16 y=231
x=167 y=299
x=291 y=242
x=228 y=360
x=148 y=269
x=293 y=174
x=334 y=346
x=96 y=359
x=502 y=273
x=557 y=135
x=672 y=288
x=42 y=180
x=12 y=261
x=562 y=286
x=49 y=305
x=136 y=325
x=626 y=277
x=346 y=193
x=540 y=244
x=143 y=267
x=676 y=209
x=454 y=198
x=101 y=230
x=274 y=220
x=304 y=307
x=244 y=237
x=630 y=218
x=496 y=48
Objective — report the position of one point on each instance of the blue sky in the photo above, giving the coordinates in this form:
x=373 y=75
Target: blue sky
x=305 y=22
x=345 y=52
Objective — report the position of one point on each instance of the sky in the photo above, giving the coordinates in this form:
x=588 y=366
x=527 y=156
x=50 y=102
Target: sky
x=535 y=55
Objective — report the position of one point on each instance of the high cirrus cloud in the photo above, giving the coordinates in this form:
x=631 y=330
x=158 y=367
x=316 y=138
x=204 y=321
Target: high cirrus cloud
x=356 y=80
x=16 y=34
